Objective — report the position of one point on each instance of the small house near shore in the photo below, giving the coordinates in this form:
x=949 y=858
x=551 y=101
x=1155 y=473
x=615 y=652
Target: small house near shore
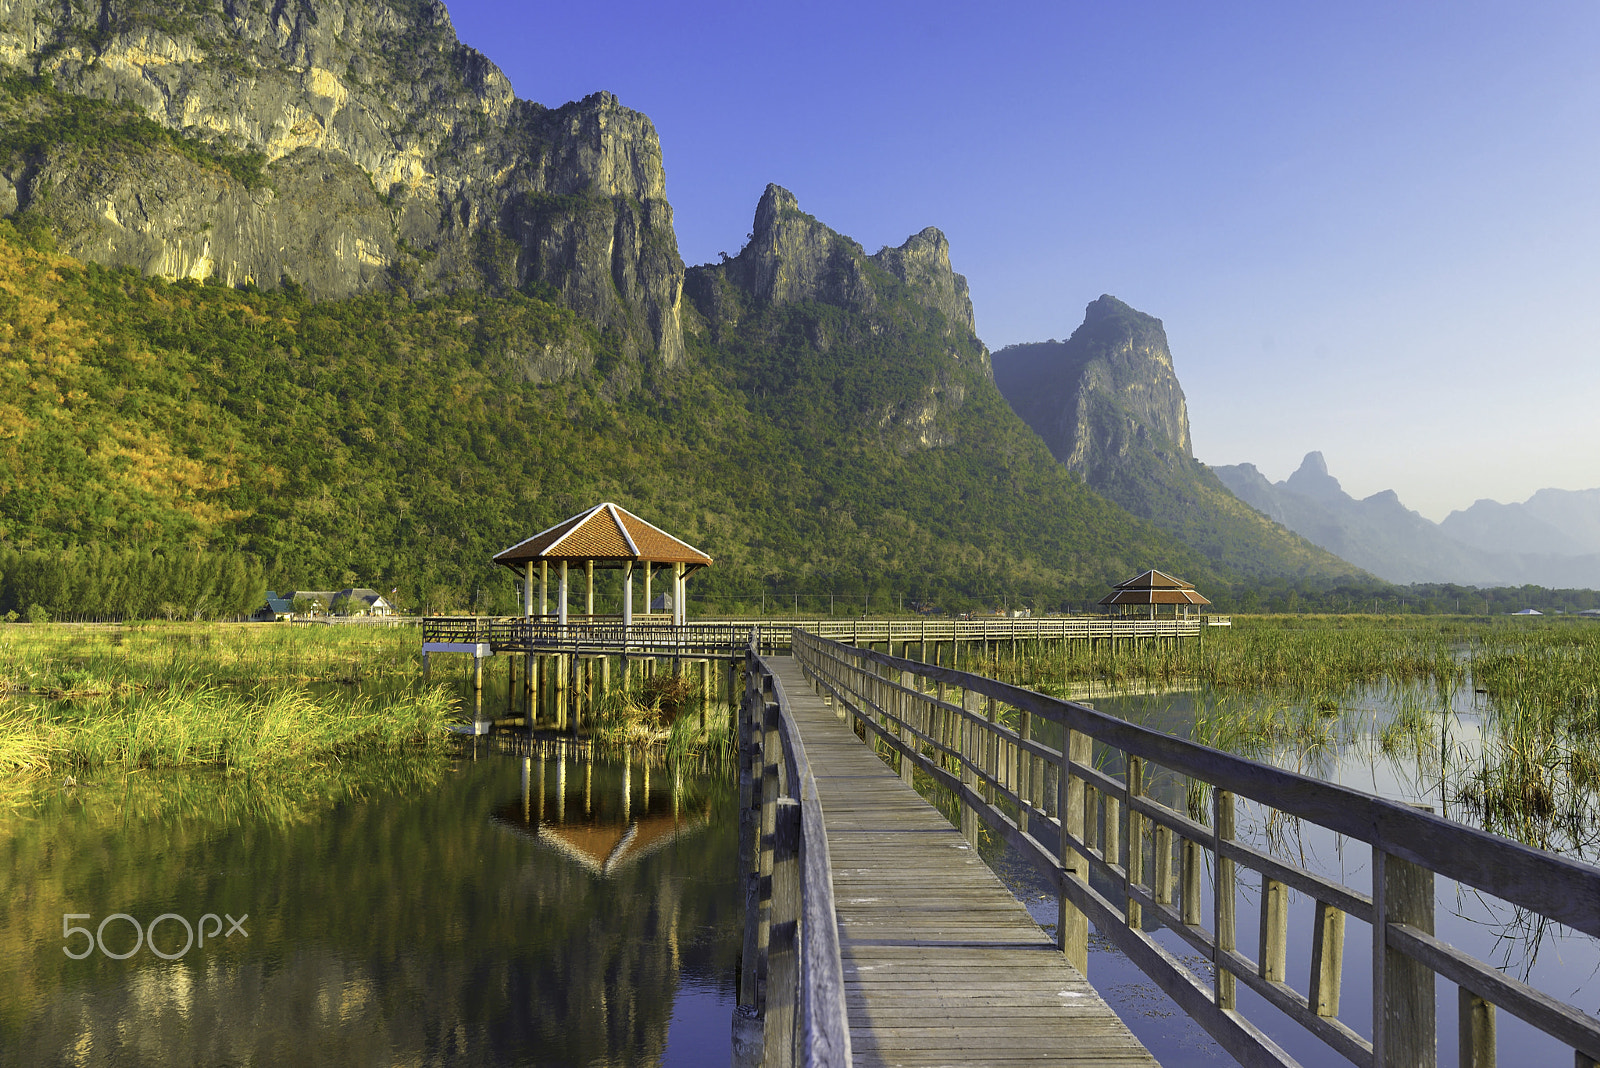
x=277 y=608
x=1149 y=591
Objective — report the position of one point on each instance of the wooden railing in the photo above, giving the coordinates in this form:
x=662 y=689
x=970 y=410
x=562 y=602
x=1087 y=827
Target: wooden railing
x=791 y=984
x=728 y=636
x=1070 y=819
x=597 y=635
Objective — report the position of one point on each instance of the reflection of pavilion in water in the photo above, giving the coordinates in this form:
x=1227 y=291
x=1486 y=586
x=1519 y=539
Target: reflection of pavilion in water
x=604 y=817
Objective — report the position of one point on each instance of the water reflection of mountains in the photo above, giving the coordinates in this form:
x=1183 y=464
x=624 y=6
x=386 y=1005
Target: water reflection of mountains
x=600 y=818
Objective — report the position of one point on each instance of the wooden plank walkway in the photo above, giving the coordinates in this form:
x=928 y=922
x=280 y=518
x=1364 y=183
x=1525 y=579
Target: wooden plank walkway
x=942 y=965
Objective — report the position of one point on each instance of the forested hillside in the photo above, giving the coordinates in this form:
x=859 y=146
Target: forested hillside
x=396 y=443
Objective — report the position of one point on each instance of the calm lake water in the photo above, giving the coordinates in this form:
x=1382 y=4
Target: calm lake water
x=484 y=910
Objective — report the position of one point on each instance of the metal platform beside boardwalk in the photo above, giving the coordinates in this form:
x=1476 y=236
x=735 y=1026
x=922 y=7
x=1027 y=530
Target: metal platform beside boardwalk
x=942 y=965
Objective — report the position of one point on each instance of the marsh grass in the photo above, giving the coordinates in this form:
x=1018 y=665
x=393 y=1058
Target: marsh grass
x=203 y=723
x=663 y=718
x=77 y=698
x=91 y=659
x=1309 y=682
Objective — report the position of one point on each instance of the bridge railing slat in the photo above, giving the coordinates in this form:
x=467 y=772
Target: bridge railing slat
x=889 y=701
x=791 y=998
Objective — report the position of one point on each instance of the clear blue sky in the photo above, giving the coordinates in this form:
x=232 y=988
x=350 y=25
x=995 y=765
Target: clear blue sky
x=1370 y=229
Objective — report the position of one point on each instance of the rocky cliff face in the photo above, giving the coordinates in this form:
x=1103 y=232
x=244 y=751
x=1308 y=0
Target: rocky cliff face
x=1105 y=393
x=386 y=153
x=791 y=258
x=1108 y=405
x=904 y=304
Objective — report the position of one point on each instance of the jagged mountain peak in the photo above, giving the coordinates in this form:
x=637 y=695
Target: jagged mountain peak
x=1311 y=479
x=792 y=257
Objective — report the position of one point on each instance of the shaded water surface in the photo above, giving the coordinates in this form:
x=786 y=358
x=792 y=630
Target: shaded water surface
x=490 y=909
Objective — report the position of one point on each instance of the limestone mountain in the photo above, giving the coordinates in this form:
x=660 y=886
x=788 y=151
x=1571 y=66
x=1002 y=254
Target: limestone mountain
x=800 y=303
x=1381 y=534
x=1108 y=404
x=345 y=145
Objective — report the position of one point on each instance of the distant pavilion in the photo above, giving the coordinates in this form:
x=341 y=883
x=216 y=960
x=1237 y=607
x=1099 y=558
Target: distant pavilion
x=606 y=536
x=1153 y=589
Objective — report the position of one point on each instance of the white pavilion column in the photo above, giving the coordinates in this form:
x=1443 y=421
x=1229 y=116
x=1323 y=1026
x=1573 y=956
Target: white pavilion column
x=588 y=601
x=677 y=594
x=627 y=594
x=527 y=589
x=561 y=597
x=648 y=570
x=544 y=587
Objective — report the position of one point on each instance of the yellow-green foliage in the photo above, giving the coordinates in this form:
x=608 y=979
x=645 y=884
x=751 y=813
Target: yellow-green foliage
x=209 y=724
x=249 y=697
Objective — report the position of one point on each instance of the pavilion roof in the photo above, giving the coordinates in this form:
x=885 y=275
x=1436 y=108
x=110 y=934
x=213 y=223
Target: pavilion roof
x=1153 y=597
x=608 y=534
x=1153 y=587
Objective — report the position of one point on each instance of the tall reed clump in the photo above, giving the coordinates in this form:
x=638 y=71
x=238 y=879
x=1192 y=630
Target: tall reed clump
x=266 y=726
x=87 y=659
x=1539 y=774
x=665 y=714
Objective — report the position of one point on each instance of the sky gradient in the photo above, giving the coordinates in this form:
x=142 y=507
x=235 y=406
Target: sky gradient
x=1370 y=230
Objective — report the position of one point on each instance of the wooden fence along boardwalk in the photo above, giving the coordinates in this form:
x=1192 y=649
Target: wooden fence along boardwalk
x=942 y=965
x=1174 y=860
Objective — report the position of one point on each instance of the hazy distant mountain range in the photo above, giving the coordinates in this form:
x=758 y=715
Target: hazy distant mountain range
x=1552 y=539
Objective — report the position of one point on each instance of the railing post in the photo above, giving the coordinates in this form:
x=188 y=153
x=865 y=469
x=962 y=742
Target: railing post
x=770 y=760
x=783 y=963
x=1327 y=959
x=1072 y=926
x=1273 y=961
x=1024 y=772
x=1476 y=1031
x=907 y=739
x=969 y=778
x=1135 y=869
x=1404 y=1020
x=1223 y=902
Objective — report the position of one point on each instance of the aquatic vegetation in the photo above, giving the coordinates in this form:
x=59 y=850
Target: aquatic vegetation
x=1272 y=684
x=66 y=660
x=665 y=717
x=204 y=723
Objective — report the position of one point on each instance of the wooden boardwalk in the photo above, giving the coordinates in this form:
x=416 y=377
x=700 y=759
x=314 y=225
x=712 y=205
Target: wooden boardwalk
x=942 y=965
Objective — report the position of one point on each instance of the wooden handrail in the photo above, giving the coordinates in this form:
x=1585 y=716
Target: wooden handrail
x=791 y=989
x=946 y=723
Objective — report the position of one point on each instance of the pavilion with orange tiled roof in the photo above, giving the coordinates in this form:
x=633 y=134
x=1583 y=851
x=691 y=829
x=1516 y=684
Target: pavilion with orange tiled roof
x=606 y=536
x=1154 y=588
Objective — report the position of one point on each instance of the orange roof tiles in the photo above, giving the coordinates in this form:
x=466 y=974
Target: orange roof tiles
x=606 y=534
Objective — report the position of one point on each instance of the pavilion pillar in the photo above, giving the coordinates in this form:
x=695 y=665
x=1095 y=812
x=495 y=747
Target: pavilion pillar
x=677 y=594
x=527 y=589
x=588 y=601
x=544 y=587
x=561 y=597
x=627 y=594
x=648 y=575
